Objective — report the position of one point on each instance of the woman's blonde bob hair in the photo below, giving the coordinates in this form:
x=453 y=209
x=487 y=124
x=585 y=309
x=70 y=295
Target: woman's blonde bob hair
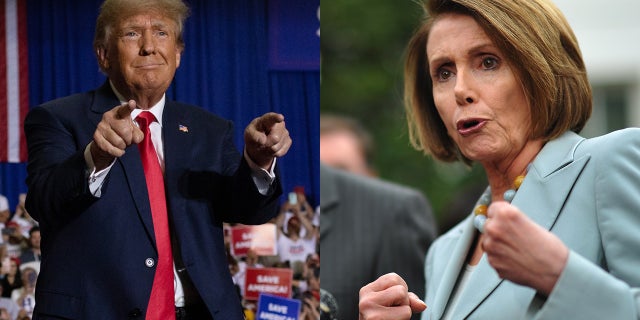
x=539 y=45
x=113 y=11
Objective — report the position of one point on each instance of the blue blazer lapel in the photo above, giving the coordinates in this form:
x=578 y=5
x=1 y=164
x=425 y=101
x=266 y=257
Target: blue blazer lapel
x=105 y=100
x=134 y=173
x=177 y=132
x=550 y=177
x=483 y=281
x=459 y=254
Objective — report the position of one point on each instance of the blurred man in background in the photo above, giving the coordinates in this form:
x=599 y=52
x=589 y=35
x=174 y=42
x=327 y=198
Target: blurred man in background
x=368 y=226
x=346 y=144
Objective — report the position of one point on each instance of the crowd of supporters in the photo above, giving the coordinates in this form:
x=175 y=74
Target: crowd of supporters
x=296 y=248
x=20 y=261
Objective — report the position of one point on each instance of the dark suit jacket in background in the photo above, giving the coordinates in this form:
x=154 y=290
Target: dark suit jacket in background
x=95 y=250
x=369 y=227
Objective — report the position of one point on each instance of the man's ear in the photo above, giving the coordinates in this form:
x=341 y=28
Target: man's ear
x=103 y=61
x=178 y=56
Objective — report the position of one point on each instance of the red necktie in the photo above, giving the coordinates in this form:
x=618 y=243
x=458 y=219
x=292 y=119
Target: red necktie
x=162 y=300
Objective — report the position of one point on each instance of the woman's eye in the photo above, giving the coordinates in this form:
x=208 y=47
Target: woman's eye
x=444 y=74
x=489 y=63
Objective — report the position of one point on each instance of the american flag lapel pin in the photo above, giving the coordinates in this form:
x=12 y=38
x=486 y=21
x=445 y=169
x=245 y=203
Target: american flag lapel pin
x=183 y=128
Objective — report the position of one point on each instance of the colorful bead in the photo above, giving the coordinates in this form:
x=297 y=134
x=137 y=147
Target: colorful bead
x=509 y=195
x=518 y=181
x=478 y=222
x=486 y=197
x=480 y=210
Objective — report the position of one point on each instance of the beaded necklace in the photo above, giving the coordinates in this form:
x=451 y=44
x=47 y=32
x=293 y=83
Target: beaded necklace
x=480 y=210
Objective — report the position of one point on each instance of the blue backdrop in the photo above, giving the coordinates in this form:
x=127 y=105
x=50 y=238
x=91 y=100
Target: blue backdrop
x=224 y=69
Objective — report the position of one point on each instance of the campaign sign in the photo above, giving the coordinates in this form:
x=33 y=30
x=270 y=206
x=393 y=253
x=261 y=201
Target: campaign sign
x=261 y=239
x=294 y=34
x=273 y=281
x=272 y=307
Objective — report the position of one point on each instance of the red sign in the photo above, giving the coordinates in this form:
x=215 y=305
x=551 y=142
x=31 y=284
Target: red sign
x=261 y=239
x=274 y=281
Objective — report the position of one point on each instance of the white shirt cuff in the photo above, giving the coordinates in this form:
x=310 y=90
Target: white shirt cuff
x=96 y=179
x=261 y=177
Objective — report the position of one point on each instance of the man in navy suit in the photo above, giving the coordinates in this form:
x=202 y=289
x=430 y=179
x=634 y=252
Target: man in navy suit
x=88 y=191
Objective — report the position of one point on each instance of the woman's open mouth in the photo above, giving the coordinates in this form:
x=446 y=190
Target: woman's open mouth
x=468 y=127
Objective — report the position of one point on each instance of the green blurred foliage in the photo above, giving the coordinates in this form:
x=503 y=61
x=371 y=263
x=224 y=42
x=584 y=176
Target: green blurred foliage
x=362 y=45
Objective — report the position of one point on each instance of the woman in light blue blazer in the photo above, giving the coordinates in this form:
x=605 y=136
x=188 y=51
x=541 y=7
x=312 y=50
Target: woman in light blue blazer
x=557 y=233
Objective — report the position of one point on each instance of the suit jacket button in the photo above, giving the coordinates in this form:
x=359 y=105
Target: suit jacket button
x=150 y=262
x=135 y=313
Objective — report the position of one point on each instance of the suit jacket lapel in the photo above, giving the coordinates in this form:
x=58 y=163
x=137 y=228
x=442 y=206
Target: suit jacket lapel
x=103 y=101
x=452 y=270
x=550 y=177
x=134 y=173
x=130 y=162
x=176 y=134
x=328 y=201
x=177 y=149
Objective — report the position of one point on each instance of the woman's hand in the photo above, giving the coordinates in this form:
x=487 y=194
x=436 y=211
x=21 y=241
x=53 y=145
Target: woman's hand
x=520 y=250
x=388 y=298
